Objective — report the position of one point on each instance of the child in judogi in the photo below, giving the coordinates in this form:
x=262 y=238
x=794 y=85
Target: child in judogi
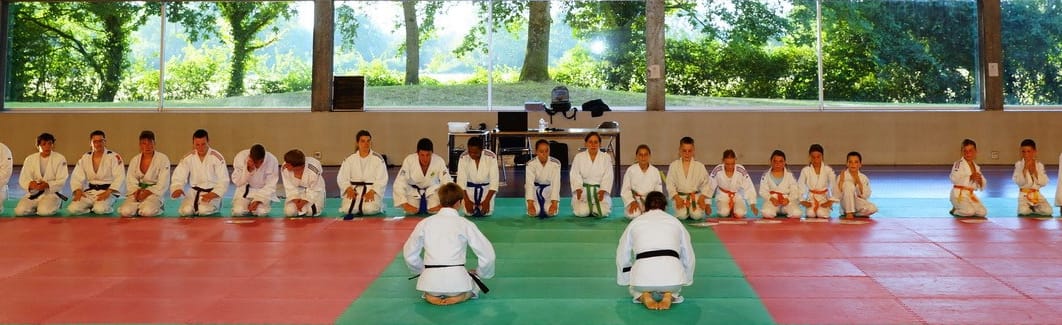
x=687 y=183
x=444 y=239
x=731 y=185
x=779 y=190
x=542 y=183
x=1030 y=176
x=43 y=175
x=97 y=179
x=966 y=178
x=420 y=177
x=477 y=173
x=146 y=180
x=591 y=180
x=640 y=179
x=817 y=181
x=655 y=256
x=255 y=172
x=6 y=168
x=854 y=189
x=362 y=179
x=204 y=170
x=304 y=185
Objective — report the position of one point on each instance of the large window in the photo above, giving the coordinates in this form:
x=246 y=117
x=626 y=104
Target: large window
x=1032 y=52
x=106 y=55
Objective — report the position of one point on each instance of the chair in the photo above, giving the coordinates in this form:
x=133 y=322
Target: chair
x=518 y=147
x=607 y=142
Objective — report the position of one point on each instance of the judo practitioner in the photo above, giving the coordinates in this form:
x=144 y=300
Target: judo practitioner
x=304 y=185
x=204 y=171
x=966 y=178
x=655 y=257
x=731 y=185
x=640 y=179
x=419 y=178
x=477 y=173
x=591 y=179
x=779 y=190
x=542 y=183
x=362 y=179
x=688 y=183
x=43 y=176
x=146 y=180
x=97 y=179
x=255 y=172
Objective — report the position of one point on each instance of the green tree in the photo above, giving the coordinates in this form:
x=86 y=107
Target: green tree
x=1032 y=38
x=510 y=14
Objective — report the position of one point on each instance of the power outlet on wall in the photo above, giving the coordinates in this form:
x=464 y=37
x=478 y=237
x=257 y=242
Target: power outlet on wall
x=317 y=154
x=995 y=155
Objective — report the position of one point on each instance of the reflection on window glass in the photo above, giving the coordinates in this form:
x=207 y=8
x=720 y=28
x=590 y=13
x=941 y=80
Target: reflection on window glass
x=1032 y=52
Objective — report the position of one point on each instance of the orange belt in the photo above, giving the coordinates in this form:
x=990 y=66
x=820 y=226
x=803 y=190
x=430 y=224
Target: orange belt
x=731 y=195
x=815 y=202
x=966 y=189
x=778 y=196
x=1032 y=194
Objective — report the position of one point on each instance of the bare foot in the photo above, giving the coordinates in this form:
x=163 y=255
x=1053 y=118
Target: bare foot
x=457 y=299
x=435 y=300
x=647 y=299
x=665 y=302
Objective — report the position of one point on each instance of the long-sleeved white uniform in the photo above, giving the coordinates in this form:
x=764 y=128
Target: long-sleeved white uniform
x=155 y=179
x=109 y=175
x=817 y=188
x=595 y=175
x=733 y=191
x=209 y=174
x=787 y=188
x=655 y=230
x=363 y=174
x=691 y=185
x=479 y=179
x=6 y=168
x=1030 y=200
x=51 y=170
x=963 y=200
x=542 y=184
x=259 y=185
x=855 y=201
x=444 y=239
x=311 y=187
x=423 y=194
x=636 y=185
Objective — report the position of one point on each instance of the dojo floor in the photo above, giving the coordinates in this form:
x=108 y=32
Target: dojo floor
x=912 y=264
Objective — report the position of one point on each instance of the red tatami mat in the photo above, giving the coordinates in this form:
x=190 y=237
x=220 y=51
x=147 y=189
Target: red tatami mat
x=207 y=270
x=903 y=270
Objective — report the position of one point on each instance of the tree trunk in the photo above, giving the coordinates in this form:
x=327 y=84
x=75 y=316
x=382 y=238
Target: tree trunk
x=114 y=49
x=409 y=12
x=536 y=60
x=239 y=63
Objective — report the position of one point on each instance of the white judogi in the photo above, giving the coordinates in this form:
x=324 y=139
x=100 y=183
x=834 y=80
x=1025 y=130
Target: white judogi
x=259 y=185
x=417 y=187
x=208 y=174
x=6 y=168
x=691 y=185
x=591 y=176
x=93 y=182
x=817 y=189
x=362 y=174
x=636 y=185
x=155 y=179
x=963 y=200
x=445 y=238
x=479 y=179
x=787 y=188
x=542 y=184
x=51 y=170
x=732 y=190
x=1029 y=198
x=852 y=200
x=657 y=232
x=311 y=187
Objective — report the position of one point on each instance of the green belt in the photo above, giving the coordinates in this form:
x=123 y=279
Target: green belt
x=591 y=198
x=692 y=204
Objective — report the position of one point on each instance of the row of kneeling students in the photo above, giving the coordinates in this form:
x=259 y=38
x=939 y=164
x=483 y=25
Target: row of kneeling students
x=201 y=178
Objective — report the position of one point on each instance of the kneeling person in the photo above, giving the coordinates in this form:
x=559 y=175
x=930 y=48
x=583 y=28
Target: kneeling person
x=254 y=172
x=304 y=186
x=477 y=172
x=97 y=178
x=655 y=256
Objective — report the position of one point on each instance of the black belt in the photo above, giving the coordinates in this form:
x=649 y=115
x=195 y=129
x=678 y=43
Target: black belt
x=60 y=195
x=361 y=200
x=195 y=203
x=648 y=254
x=102 y=187
x=479 y=283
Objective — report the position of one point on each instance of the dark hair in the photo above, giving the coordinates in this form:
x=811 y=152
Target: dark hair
x=856 y=154
x=147 y=135
x=815 y=148
x=450 y=194
x=685 y=140
x=362 y=133
x=475 y=142
x=1028 y=143
x=201 y=134
x=295 y=158
x=257 y=152
x=655 y=201
x=541 y=142
x=45 y=137
x=592 y=134
x=424 y=144
x=729 y=153
x=643 y=146
x=97 y=132
x=778 y=153
x=968 y=142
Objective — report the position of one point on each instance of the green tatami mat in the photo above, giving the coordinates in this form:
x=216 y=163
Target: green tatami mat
x=562 y=271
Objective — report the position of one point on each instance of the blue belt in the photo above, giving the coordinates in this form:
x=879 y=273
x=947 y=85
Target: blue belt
x=477 y=197
x=539 y=188
x=423 y=208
